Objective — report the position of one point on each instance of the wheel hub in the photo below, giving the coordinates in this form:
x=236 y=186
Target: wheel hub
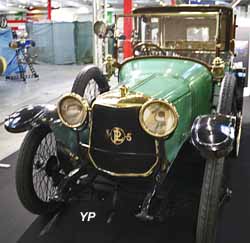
x=52 y=166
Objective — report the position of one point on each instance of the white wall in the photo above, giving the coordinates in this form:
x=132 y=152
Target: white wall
x=72 y=14
x=243 y=20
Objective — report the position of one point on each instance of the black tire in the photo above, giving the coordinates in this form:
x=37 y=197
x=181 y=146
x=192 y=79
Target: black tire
x=238 y=111
x=227 y=92
x=215 y=178
x=231 y=103
x=209 y=201
x=90 y=77
x=26 y=188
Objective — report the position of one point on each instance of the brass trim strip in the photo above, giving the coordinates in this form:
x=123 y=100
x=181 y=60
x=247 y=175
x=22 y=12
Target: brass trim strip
x=131 y=99
x=145 y=174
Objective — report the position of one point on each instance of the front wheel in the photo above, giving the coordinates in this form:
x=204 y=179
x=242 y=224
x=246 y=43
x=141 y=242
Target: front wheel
x=37 y=171
x=211 y=194
x=90 y=82
x=214 y=180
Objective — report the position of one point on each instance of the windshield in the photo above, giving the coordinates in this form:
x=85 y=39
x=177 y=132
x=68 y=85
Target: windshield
x=182 y=33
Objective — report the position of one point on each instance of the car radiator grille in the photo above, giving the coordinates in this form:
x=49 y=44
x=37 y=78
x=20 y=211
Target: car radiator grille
x=118 y=144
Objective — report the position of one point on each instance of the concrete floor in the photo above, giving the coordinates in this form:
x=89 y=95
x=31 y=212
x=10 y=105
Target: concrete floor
x=54 y=80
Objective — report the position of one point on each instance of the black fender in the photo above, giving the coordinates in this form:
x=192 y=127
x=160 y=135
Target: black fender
x=241 y=83
x=213 y=135
x=31 y=116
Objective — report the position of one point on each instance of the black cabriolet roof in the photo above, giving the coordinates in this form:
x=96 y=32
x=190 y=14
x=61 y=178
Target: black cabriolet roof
x=184 y=8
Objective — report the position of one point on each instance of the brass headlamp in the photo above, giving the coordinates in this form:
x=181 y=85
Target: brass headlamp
x=158 y=118
x=72 y=110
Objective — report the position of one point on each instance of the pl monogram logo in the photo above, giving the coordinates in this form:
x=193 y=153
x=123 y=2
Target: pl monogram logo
x=118 y=136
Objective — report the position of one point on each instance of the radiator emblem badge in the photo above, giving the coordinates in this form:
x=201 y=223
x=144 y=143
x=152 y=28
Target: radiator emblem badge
x=118 y=136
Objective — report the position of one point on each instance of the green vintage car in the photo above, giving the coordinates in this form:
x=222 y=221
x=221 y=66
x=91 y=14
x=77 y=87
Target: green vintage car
x=180 y=85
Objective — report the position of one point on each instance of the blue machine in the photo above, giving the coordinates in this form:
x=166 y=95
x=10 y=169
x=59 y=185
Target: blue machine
x=8 y=53
x=16 y=55
x=21 y=47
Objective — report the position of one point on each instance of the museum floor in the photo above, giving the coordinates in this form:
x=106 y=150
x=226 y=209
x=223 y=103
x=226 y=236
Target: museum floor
x=18 y=225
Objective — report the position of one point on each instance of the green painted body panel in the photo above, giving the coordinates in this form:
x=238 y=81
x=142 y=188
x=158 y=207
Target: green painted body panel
x=68 y=137
x=187 y=84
